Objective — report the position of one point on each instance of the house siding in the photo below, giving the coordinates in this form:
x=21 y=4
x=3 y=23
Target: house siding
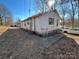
x=40 y=24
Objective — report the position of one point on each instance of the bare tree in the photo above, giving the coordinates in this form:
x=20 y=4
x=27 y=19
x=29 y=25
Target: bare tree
x=71 y=11
x=1 y=23
x=7 y=17
x=62 y=4
x=78 y=13
x=41 y=5
x=63 y=11
x=9 y=21
x=72 y=18
x=18 y=22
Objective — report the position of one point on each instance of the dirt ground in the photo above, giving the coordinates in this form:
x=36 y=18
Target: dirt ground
x=18 y=44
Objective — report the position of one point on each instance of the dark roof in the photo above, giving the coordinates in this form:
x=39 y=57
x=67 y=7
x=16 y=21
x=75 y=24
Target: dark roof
x=34 y=16
x=37 y=15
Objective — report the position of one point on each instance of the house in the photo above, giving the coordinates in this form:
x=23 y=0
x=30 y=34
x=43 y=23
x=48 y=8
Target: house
x=42 y=23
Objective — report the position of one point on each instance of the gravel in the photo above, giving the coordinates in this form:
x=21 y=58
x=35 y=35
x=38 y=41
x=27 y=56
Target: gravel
x=65 y=48
x=18 y=44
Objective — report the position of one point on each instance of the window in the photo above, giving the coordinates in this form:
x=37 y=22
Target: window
x=24 y=24
x=28 y=23
x=51 y=21
x=57 y=22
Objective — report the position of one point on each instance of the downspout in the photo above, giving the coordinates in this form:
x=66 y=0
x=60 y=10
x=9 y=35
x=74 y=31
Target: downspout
x=63 y=17
x=31 y=25
x=34 y=25
x=72 y=14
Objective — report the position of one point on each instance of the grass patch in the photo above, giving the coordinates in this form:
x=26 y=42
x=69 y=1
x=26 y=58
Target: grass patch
x=3 y=29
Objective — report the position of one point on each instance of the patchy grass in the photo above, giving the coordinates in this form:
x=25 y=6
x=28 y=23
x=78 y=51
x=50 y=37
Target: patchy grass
x=3 y=29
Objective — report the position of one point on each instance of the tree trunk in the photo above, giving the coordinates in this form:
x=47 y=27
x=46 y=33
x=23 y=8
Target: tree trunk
x=72 y=14
x=78 y=13
x=1 y=23
x=63 y=17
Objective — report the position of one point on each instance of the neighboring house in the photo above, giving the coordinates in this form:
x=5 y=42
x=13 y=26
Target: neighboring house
x=18 y=24
x=42 y=23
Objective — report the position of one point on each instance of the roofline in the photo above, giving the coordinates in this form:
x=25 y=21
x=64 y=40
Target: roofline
x=37 y=15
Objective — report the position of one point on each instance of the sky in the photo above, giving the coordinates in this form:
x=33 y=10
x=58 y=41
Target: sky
x=68 y=9
x=19 y=8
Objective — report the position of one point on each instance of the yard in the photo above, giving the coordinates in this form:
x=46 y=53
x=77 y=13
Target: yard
x=18 y=44
x=3 y=29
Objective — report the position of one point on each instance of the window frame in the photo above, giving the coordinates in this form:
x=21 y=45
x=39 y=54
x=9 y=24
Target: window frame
x=51 y=21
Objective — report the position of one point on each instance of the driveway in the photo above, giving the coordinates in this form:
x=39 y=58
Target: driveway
x=18 y=44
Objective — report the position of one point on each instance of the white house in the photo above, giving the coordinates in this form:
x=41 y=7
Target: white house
x=42 y=23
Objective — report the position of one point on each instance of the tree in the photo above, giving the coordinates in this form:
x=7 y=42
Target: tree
x=7 y=17
x=66 y=7
x=18 y=22
x=63 y=10
x=73 y=13
x=78 y=13
x=69 y=7
x=9 y=21
x=1 y=20
x=41 y=5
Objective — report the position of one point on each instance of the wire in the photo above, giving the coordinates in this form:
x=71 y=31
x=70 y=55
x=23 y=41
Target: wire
x=29 y=8
x=24 y=7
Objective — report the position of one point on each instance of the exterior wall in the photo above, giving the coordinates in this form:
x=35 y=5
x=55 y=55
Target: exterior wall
x=40 y=24
x=44 y=23
x=23 y=25
x=28 y=25
x=33 y=24
x=56 y=19
x=37 y=24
